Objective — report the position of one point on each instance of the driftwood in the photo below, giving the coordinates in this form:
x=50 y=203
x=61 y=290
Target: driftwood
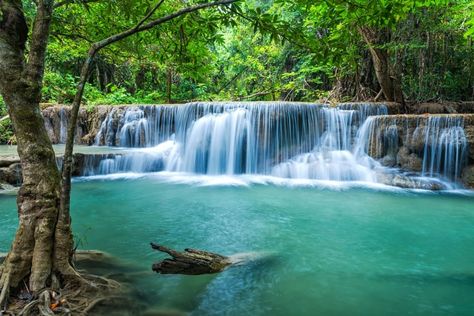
x=190 y=262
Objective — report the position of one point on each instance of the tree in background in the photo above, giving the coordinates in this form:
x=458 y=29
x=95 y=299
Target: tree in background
x=336 y=49
x=405 y=40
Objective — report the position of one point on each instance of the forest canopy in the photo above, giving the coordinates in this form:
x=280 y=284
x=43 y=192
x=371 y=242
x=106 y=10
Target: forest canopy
x=81 y=53
x=298 y=50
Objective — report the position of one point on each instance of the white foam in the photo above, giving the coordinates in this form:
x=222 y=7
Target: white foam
x=198 y=180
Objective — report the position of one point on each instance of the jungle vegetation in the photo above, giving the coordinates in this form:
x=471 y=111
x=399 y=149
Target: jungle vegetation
x=146 y=51
x=267 y=50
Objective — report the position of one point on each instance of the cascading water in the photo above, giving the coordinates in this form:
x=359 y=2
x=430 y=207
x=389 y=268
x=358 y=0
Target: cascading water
x=291 y=140
x=439 y=141
x=281 y=139
x=144 y=126
x=446 y=148
x=347 y=142
x=63 y=119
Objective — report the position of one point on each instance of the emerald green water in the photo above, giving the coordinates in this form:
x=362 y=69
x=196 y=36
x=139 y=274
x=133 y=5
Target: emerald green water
x=317 y=251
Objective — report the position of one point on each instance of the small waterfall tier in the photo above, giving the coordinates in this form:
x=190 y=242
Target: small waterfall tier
x=435 y=146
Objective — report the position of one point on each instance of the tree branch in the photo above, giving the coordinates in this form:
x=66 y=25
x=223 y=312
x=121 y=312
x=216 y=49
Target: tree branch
x=34 y=70
x=140 y=28
x=64 y=209
x=149 y=14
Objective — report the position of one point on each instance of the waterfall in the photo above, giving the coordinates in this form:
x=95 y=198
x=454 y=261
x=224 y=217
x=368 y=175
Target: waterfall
x=283 y=139
x=445 y=151
x=141 y=160
x=142 y=126
x=438 y=142
x=347 y=142
x=63 y=119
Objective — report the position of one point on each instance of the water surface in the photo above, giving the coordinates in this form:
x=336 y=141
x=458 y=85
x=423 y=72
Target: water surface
x=318 y=251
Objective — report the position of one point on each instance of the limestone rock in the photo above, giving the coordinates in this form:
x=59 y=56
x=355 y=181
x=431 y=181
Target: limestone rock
x=407 y=182
x=389 y=161
x=11 y=174
x=409 y=161
x=468 y=176
x=56 y=122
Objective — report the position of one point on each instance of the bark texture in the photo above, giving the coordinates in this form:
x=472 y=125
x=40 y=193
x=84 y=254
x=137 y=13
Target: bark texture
x=387 y=75
x=190 y=262
x=37 y=245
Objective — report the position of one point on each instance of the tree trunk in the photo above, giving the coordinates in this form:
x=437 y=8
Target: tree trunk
x=37 y=245
x=169 y=84
x=389 y=80
x=140 y=77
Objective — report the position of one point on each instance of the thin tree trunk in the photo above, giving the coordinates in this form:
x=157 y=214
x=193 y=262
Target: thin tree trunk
x=169 y=83
x=389 y=81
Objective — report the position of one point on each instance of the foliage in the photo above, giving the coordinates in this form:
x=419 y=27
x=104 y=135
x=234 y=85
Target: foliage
x=300 y=50
x=262 y=50
x=3 y=108
x=6 y=132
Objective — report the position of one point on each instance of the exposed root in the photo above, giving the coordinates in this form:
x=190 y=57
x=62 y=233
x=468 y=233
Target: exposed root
x=69 y=292
x=4 y=290
x=41 y=305
x=78 y=300
x=81 y=295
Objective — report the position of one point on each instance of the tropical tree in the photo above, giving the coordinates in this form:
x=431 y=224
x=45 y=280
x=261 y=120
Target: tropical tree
x=41 y=253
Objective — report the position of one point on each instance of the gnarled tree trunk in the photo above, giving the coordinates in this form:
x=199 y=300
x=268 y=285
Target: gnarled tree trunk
x=43 y=244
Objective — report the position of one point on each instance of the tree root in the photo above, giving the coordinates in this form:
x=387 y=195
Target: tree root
x=69 y=292
x=4 y=290
x=79 y=297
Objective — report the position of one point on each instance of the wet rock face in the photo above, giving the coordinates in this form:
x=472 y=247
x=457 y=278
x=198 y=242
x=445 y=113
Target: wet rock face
x=420 y=135
x=409 y=161
x=56 y=122
x=11 y=174
x=89 y=124
x=98 y=117
x=468 y=176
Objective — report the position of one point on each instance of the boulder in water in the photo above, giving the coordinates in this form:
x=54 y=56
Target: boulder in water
x=410 y=182
x=389 y=161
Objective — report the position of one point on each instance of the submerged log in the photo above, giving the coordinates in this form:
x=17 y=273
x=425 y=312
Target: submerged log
x=190 y=262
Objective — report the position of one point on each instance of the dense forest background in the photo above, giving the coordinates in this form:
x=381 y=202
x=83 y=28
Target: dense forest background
x=297 y=50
